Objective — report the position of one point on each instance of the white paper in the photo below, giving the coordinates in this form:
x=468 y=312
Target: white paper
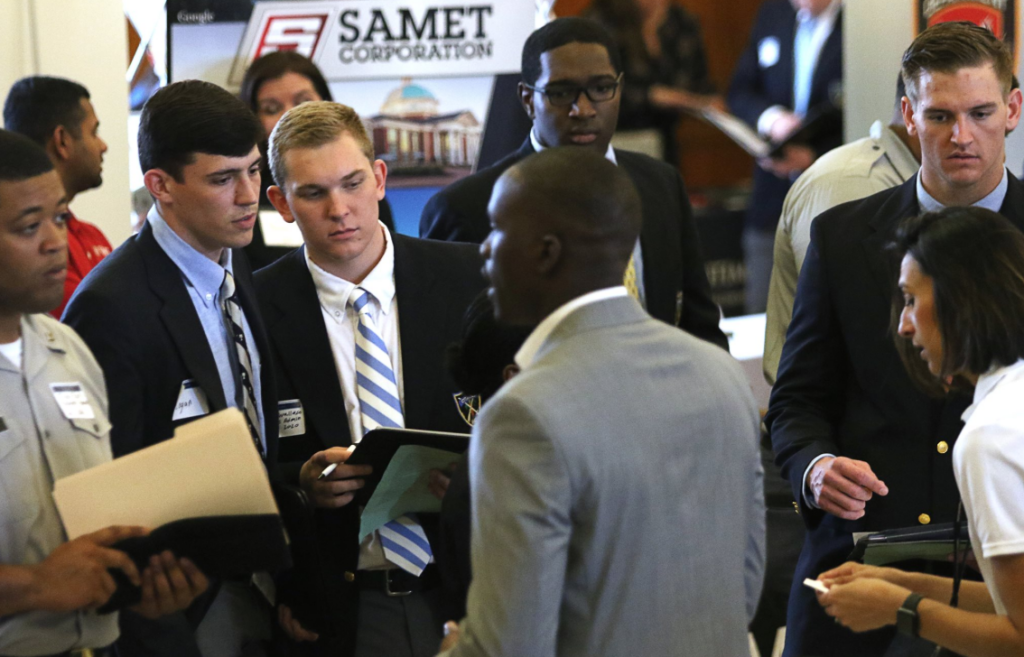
x=738 y=131
x=209 y=468
x=277 y=231
x=191 y=402
x=73 y=402
x=291 y=421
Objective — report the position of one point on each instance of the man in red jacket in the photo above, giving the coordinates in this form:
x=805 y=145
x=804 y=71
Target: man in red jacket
x=57 y=114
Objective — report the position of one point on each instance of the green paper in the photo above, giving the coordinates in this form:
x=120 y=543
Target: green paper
x=880 y=555
x=403 y=487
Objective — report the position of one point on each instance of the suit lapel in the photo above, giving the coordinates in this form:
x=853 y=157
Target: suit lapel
x=301 y=338
x=1013 y=204
x=899 y=206
x=787 y=54
x=420 y=330
x=179 y=316
x=831 y=50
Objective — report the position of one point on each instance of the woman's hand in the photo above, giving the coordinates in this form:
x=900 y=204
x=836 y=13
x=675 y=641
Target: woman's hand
x=864 y=603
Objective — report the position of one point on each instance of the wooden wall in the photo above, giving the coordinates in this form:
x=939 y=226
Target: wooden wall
x=709 y=159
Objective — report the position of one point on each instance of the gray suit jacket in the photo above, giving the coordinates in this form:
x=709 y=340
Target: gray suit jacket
x=617 y=501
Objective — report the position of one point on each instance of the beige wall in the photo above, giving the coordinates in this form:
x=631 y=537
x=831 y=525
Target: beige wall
x=86 y=41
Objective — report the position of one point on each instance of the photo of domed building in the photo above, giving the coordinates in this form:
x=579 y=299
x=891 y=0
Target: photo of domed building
x=415 y=140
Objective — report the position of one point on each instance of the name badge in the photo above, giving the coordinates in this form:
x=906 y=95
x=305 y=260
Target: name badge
x=191 y=401
x=291 y=421
x=73 y=402
x=768 y=52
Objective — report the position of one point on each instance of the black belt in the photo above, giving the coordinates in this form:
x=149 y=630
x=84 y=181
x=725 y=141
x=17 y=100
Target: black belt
x=397 y=582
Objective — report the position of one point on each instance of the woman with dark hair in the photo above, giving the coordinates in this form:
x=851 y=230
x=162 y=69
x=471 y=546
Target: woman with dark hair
x=666 y=69
x=961 y=309
x=480 y=364
x=272 y=85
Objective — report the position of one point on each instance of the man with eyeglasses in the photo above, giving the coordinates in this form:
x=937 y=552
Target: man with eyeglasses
x=571 y=79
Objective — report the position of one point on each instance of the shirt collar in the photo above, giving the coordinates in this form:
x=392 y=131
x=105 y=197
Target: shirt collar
x=528 y=352
x=897 y=152
x=988 y=381
x=537 y=146
x=827 y=17
x=203 y=274
x=993 y=202
x=334 y=292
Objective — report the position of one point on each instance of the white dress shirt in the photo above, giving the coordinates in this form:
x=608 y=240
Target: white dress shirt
x=988 y=459
x=342 y=322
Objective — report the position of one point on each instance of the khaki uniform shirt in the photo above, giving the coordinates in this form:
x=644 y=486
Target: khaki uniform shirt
x=39 y=445
x=848 y=173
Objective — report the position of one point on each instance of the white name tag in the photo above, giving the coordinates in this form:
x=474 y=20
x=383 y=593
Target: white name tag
x=291 y=421
x=191 y=401
x=73 y=402
x=768 y=52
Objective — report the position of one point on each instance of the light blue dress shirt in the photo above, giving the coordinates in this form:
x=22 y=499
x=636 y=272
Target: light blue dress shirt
x=203 y=278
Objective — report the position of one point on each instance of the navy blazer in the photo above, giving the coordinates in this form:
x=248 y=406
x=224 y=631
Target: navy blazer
x=842 y=389
x=137 y=318
x=434 y=285
x=755 y=88
x=675 y=283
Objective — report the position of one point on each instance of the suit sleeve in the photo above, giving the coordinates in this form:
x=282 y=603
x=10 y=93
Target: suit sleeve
x=747 y=98
x=699 y=315
x=756 y=553
x=521 y=504
x=109 y=336
x=441 y=221
x=808 y=396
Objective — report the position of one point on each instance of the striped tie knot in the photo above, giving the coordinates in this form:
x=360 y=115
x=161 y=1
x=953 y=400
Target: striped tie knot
x=360 y=300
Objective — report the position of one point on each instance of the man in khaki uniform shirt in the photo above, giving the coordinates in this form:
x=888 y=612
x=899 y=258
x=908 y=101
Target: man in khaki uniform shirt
x=53 y=423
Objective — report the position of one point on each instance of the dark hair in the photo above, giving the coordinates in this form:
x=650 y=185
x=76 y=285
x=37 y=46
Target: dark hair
x=36 y=105
x=478 y=362
x=561 y=32
x=975 y=259
x=191 y=117
x=21 y=158
x=949 y=47
x=275 y=64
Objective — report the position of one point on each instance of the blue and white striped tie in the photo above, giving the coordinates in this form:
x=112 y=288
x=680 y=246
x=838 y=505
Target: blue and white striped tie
x=403 y=539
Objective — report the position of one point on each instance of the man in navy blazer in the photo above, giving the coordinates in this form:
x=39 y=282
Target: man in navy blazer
x=793 y=65
x=576 y=60
x=154 y=315
x=314 y=303
x=865 y=449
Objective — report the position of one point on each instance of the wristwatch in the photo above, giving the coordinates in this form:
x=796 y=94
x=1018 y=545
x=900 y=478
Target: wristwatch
x=907 y=620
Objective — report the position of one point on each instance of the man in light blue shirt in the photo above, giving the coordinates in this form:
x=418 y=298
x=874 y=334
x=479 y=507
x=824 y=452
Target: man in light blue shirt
x=171 y=317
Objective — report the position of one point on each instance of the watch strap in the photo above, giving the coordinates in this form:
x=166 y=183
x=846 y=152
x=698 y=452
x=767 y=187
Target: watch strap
x=907 y=620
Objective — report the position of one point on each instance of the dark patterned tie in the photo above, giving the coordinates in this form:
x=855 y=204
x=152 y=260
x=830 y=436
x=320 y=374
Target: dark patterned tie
x=243 y=378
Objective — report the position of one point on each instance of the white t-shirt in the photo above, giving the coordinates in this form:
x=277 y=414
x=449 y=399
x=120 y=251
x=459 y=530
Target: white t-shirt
x=988 y=460
x=12 y=352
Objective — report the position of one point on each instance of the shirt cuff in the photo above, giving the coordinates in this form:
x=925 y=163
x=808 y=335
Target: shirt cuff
x=808 y=495
x=769 y=117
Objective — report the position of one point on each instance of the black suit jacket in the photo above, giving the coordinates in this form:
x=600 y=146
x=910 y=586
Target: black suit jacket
x=136 y=316
x=842 y=389
x=675 y=283
x=755 y=88
x=434 y=284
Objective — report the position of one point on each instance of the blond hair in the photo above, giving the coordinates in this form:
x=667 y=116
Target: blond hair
x=311 y=125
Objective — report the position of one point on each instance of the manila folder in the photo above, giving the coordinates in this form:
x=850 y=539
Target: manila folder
x=209 y=468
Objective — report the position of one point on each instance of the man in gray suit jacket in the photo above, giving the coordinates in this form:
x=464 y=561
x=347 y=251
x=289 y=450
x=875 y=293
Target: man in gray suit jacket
x=616 y=483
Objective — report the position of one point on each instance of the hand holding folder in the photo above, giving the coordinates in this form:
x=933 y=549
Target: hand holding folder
x=205 y=492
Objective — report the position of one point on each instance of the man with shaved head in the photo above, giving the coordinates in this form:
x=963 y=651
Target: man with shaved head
x=600 y=526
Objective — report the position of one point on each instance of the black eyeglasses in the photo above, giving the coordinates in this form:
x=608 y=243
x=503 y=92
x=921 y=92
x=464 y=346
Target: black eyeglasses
x=563 y=96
